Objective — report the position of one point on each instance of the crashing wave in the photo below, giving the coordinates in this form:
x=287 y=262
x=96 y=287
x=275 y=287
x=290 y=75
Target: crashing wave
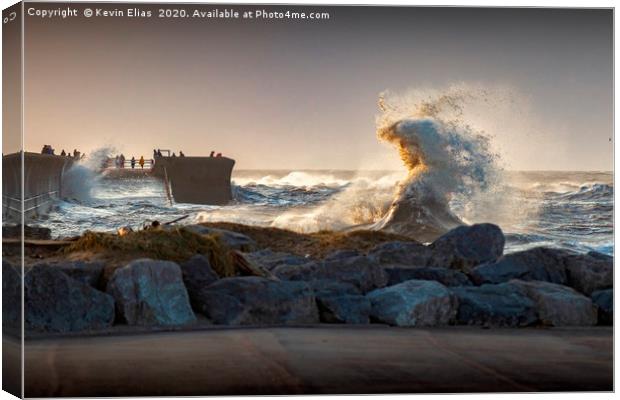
x=444 y=158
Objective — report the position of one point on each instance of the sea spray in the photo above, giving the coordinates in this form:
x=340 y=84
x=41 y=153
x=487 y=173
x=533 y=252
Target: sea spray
x=84 y=174
x=444 y=157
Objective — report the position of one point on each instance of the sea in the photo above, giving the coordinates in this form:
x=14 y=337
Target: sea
x=571 y=210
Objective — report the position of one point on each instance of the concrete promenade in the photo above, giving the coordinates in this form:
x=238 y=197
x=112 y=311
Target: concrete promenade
x=322 y=359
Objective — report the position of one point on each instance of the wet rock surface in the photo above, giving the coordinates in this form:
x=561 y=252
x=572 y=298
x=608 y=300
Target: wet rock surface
x=54 y=302
x=559 y=305
x=151 y=292
x=504 y=304
x=604 y=300
x=413 y=303
x=258 y=301
x=447 y=277
x=360 y=271
x=465 y=247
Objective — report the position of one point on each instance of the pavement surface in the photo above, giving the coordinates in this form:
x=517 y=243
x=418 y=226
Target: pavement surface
x=315 y=360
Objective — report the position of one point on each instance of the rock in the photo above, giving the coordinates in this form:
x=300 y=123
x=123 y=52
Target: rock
x=503 y=304
x=151 y=292
x=55 y=302
x=412 y=254
x=600 y=256
x=340 y=302
x=447 y=277
x=588 y=274
x=197 y=275
x=88 y=273
x=270 y=260
x=413 y=303
x=341 y=255
x=559 y=305
x=362 y=272
x=465 y=247
x=540 y=264
x=233 y=240
x=604 y=300
x=251 y=300
x=348 y=309
x=11 y=296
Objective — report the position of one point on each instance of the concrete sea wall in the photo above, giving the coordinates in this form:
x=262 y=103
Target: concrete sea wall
x=43 y=177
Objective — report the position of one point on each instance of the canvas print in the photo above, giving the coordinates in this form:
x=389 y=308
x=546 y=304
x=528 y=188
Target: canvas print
x=229 y=199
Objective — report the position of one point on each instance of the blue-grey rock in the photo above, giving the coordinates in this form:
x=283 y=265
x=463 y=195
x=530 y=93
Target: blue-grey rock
x=411 y=254
x=604 y=300
x=151 y=292
x=233 y=240
x=540 y=264
x=503 y=304
x=251 y=300
x=360 y=271
x=465 y=247
x=83 y=271
x=11 y=296
x=54 y=302
x=413 y=303
x=347 y=309
x=447 y=277
x=559 y=305
x=197 y=275
x=588 y=274
x=270 y=260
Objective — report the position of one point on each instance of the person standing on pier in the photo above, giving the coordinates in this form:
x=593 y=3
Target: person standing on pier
x=133 y=162
x=141 y=162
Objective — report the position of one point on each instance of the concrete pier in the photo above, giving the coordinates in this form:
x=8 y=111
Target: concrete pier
x=318 y=360
x=197 y=180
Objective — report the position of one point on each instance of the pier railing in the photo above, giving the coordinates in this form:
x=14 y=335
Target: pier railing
x=112 y=163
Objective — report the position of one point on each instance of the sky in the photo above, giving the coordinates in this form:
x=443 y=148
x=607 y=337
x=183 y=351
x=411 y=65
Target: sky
x=282 y=94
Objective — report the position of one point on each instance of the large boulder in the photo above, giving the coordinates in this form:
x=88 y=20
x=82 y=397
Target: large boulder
x=270 y=260
x=604 y=300
x=412 y=254
x=413 y=303
x=347 y=309
x=539 y=264
x=362 y=272
x=55 y=302
x=340 y=302
x=251 y=300
x=447 y=277
x=233 y=240
x=86 y=272
x=559 y=305
x=11 y=295
x=197 y=273
x=151 y=292
x=465 y=247
x=504 y=304
x=588 y=274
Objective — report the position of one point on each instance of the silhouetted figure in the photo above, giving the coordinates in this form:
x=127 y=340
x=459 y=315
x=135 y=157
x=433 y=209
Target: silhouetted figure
x=212 y=154
x=76 y=154
x=173 y=155
x=154 y=153
x=219 y=155
x=121 y=161
x=63 y=153
x=133 y=162
x=141 y=162
x=181 y=153
x=159 y=153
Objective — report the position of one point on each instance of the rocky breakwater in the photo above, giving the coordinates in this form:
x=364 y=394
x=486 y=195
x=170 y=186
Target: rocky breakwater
x=462 y=278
